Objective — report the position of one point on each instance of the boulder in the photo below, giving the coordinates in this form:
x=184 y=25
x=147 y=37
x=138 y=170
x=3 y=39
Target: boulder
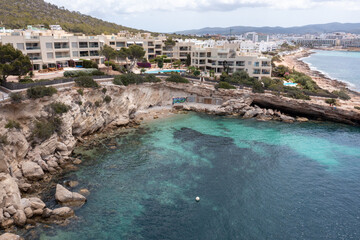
x=47 y=213
x=32 y=170
x=63 y=195
x=28 y=212
x=11 y=210
x=85 y=192
x=61 y=147
x=20 y=218
x=7 y=223
x=24 y=186
x=38 y=212
x=285 y=118
x=10 y=236
x=7 y=215
x=9 y=192
x=36 y=203
x=302 y=119
x=63 y=212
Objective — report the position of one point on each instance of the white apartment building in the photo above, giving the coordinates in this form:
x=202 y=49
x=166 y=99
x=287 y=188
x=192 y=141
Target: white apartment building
x=54 y=51
x=214 y=59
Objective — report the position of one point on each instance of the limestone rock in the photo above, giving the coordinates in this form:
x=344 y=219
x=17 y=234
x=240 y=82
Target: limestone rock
x=85 y=192
x=36 y=203
x=288 y=119
x=302 y=119
x=38 y=212
x=63 y=212
x=10 y=236
x=32 y=170
x=28 y=212
x=11 y=210
x=24 y=186
x=63 y=195
x=61 y=147
x=20 y=218
x=9 y=192
x=47 y=213
x=7 y=223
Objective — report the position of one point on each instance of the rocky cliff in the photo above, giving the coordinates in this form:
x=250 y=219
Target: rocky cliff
x=25 y=161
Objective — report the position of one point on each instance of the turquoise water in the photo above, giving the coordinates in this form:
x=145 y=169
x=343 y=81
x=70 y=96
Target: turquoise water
x=290 y=84
x=340 y=65
x=256 y=180
x=166 y=71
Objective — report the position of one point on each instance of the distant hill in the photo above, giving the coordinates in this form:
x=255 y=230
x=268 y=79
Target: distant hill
x=315 y=28
x=20 y=13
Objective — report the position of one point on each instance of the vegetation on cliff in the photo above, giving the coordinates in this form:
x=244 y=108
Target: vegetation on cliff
x=20 y=13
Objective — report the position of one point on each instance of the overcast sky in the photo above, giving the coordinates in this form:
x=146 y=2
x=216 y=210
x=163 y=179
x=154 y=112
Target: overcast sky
x=175 y=15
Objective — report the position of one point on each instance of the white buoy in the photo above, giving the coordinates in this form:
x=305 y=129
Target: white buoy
x=197 y=199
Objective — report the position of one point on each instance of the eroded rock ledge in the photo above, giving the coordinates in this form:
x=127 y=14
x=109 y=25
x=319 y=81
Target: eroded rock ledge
x=25 y=163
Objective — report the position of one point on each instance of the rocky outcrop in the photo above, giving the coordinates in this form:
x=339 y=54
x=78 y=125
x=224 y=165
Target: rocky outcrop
x=10 y=236
x=32 y=170
x=62 y=213
x=24 y=162
x=64 y=196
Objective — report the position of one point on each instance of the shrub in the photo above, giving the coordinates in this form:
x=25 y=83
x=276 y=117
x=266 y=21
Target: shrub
x=357 y=107
x=295 y=93
x=16 y=97
x=257 y=87
x=40 y=91
x=177 y=78
x=43 y=129
x=97 y=104
x=89 y=64
x=79 y=103
x=80 y=91
x=151 y=78
x=224 y=85
x=3 y=140
x=196 y=73
x=12 y=124
x=107 y=99
x=144 y=65
x=127 y=79
x=59 y=108
x=104 y=90
x=83 y=72
x=86 y=82
x=26 y=79
x=330 y=101
x=342 y=94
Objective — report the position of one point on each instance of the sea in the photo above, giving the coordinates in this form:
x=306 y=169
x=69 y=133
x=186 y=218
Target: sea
x=255 y=180
x=340 y=65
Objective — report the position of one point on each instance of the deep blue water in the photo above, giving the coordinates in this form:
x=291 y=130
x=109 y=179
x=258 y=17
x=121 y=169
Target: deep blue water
x=340 y=65
x=256 y=180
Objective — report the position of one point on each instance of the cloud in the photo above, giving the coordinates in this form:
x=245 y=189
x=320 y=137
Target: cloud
x=115 y=7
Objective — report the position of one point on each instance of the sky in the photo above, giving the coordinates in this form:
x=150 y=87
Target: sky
x=177 y=15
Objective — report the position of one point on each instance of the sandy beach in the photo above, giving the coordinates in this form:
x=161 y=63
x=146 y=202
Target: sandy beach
x=294 y=61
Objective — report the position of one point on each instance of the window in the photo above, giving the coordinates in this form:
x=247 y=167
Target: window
x=60 y=45
x=112 y=43
x=32 y=46
x=75 y=53
x=84 y=53
x=93 y=45
x=249 y=63
x=49 y=45
x=20 y=46
x=74 y=45
x=83 y=44
x=256 y=64
x=120 y=44
x=94 y=53
x=50 y=55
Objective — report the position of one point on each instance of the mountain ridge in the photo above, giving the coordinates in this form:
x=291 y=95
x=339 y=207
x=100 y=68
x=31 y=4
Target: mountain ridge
x=311 y=29
x=20 y=13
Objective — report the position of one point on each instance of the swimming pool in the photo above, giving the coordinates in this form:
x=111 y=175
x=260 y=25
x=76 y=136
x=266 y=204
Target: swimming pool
x=166 y=71
x=290 y=84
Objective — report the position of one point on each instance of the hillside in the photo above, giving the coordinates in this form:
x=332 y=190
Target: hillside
x=315 y=28
x=20 y=13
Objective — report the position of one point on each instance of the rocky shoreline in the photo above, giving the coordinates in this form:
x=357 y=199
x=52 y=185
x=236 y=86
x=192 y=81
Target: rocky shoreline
x=27 y=166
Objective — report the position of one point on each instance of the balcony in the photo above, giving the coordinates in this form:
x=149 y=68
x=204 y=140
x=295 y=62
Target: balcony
x=62 y=55
x=93 y=45
x=61 y=45
x=84 y=53
x=158 y=46
x=266 y=64
x=32 y=46
x=256 y=64
x=150 y=44
x=94 y=53
x=83 y=45
x=265 y=71
x=240 y=64
x=256 y=71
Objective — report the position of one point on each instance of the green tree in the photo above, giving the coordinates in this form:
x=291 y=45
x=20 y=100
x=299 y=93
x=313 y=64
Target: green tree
x=196 y=73
x=136 y=53
x=108 y=52
x=160 y=63
x=13 y=62
x=170 y=42
x=188 y=60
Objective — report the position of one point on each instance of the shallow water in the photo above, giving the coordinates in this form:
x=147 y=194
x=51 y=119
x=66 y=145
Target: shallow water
x=256 y=180
x=340 y=65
